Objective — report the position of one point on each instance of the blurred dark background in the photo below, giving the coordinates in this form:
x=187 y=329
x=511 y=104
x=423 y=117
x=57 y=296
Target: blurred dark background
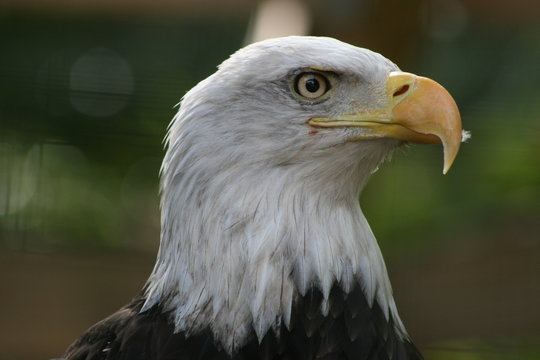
x=87 y=89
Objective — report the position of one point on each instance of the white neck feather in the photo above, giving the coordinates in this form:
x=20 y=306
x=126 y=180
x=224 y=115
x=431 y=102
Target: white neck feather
x=256 y=210
x=236 y=248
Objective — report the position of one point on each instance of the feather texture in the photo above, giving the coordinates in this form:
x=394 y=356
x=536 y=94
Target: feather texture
x=265 y=252
x=353 y=330
x=254 y=209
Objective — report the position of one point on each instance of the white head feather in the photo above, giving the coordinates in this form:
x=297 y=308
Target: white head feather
x=255 y=208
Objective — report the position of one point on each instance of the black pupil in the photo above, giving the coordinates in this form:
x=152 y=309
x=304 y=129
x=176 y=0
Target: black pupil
x=312 y=85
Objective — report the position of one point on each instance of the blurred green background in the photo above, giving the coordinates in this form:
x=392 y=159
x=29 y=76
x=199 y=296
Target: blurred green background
x=86 y=92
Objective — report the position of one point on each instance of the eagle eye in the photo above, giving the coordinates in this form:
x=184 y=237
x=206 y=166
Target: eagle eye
x=311 y=85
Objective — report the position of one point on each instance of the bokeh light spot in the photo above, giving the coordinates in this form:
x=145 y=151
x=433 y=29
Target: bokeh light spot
x=101 y=83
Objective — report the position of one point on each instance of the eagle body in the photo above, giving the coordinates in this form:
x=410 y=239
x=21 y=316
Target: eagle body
x=265 y=252
x=352 y=330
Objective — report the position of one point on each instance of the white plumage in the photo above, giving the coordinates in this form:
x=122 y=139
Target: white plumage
x=265 y=252
x=254 y=208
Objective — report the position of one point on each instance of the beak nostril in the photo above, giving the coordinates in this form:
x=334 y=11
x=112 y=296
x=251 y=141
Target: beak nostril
x=401 y=90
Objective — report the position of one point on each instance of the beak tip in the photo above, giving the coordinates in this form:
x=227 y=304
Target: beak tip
x=446 y=167
x=450 y=154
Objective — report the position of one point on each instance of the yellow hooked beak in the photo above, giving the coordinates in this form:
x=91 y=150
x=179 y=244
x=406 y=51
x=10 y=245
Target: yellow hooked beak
x=419 y=110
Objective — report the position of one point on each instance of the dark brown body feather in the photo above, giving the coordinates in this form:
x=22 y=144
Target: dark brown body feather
x=352 y=330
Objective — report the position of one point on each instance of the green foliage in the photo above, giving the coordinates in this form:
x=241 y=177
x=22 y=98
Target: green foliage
x=84 y=109
x=75 y=179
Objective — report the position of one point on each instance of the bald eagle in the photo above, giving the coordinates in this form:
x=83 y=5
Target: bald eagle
x=265 y=252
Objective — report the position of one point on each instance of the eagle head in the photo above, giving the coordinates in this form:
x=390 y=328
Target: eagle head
x=265 y=161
